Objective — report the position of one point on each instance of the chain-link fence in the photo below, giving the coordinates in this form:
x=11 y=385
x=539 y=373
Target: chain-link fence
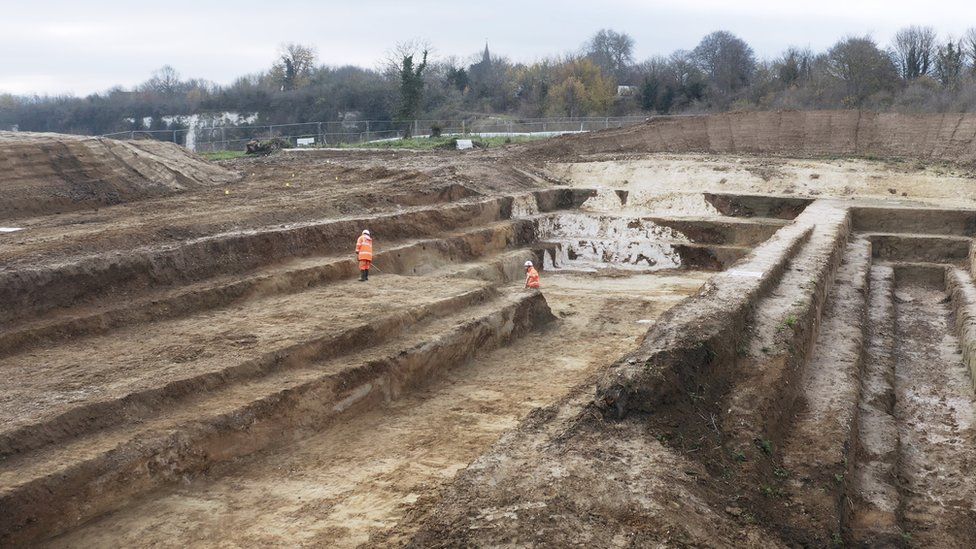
x=330 y=134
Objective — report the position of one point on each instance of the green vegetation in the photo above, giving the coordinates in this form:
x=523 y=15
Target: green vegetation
x=428 y=143
x=771 y=491
x=222 y=155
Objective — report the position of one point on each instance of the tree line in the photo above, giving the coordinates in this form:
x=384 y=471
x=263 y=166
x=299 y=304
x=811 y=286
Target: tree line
x=919 y=71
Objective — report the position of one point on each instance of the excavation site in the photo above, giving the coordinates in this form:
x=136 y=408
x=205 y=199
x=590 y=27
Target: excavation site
x=754 y=329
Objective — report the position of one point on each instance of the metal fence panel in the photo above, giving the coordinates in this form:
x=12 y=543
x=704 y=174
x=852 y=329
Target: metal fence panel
x=334 y=133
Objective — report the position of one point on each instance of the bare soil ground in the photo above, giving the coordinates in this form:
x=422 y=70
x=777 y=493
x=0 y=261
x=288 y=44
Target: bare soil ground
x=51 y=173
x=893 y=182
x=360 y=477
x=936 y=422
x=814 y=392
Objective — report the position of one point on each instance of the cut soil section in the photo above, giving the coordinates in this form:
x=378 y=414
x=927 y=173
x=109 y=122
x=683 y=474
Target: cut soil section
x=727 y=350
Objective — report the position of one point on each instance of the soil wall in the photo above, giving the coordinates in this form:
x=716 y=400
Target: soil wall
x=948 y=137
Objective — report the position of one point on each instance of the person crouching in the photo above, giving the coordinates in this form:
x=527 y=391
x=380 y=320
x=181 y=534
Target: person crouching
x=531 y=276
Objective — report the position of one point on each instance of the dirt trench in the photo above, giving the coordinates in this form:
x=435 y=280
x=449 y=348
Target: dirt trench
x=360 y=477
x=732 y=351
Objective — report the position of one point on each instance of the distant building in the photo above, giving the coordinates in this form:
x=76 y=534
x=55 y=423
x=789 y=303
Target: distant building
x=351 y=120
x=627 y=91
x=480 y=71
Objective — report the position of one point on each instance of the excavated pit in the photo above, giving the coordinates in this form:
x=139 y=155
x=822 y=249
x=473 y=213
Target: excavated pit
x=726 y=351
x=613 y=230
x=235 y=360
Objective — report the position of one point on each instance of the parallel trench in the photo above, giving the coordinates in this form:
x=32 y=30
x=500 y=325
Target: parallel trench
x=445 y=394
x=351 y=435
x=906 y=476
x=916 y=437
x=362 y=475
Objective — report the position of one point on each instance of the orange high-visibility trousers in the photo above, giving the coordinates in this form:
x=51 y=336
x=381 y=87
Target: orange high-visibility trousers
x=532 y=278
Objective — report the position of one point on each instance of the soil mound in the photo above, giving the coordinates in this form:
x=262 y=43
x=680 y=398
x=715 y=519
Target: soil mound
x=942 y=137
x=45 y=173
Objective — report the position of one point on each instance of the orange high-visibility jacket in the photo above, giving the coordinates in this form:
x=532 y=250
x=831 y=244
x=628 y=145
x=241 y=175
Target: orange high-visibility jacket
x=364 y=248
x=532 y=278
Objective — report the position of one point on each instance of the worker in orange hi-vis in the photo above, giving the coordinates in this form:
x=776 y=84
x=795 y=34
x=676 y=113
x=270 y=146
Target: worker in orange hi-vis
x=531 y=276
x=364 y=253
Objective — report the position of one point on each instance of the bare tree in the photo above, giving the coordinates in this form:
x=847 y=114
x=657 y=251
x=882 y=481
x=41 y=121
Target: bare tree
x=392 y=61
x=969 y=48
x=949 y=62
x=727 y=61
x=164 y=81
x=914 y=51
x=862 y=68
x=293 y=69
x=793 y=67
x=612 y=51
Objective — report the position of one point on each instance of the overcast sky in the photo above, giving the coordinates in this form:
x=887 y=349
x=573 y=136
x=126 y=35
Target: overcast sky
x=82 y=46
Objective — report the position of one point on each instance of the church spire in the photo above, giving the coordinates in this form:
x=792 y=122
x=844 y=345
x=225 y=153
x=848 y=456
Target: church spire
x=486 y=57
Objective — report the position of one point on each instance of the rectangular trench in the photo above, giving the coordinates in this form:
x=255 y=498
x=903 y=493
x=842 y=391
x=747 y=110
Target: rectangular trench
x=916 y=443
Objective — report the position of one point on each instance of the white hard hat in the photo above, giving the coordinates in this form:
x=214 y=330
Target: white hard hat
x=366 y=231
x=528 y=263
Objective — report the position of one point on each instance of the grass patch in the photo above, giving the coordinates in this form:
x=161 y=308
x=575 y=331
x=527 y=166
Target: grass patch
x=221 y=155
x=428 y=143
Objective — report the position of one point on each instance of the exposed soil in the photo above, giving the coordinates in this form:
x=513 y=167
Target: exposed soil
x=361 y=476
x=42 y=174
x=936 y=414
x=112 y=366
x=654 y=175
x=731 y=347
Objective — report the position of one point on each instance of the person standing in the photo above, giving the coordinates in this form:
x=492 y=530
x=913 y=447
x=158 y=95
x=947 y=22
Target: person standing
x=531 y=276
x=364 y=252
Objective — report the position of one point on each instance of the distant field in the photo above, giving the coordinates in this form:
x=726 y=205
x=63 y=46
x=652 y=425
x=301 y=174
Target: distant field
x=439 y=142
x=221 y=155
x=416 y=143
